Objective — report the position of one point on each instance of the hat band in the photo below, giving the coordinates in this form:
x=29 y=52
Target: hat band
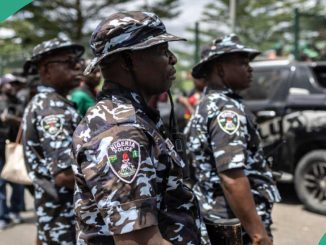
x=136 y=38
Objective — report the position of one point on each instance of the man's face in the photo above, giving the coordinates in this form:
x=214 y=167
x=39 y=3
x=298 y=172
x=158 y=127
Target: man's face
x=237 y=71
x=154 y=68
x=62 y=70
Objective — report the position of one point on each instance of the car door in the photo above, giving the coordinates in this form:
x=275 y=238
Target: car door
x=304 y=122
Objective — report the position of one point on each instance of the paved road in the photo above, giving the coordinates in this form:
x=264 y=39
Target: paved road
x=293 y=225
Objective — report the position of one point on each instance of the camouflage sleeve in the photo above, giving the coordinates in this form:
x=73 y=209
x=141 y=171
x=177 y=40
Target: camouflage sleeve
x=30 y=142
x=119 y=171
x=227 y=130
x=55 y=129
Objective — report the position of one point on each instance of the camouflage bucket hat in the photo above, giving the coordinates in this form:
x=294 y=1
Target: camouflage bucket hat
x=227 y=45
x=47 y=47
x=132 y=30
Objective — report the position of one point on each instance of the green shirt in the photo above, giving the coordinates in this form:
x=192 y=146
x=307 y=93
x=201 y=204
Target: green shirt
x=83 y=100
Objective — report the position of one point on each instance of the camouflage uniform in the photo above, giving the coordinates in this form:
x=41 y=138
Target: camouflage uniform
x=48 y=125
x=128 y=175
x=222 y=135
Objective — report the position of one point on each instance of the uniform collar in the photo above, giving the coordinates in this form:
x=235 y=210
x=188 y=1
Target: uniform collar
x=136 y=99
x=45 y=89
x=227 y=91
x=48 y=89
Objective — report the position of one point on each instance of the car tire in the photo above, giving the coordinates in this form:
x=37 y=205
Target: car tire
x=310 y=181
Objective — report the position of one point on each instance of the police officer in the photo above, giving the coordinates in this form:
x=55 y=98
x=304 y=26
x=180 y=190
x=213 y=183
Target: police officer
x=128 y=175
x=48 y=125
x=233 y=177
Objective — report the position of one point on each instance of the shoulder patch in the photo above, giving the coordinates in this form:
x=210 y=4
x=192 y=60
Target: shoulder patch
x=124 y=159
x=228 y=121
x=52 y=125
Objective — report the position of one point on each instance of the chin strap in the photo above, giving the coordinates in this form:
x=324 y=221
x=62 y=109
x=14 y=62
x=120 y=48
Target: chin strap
x=173 y=127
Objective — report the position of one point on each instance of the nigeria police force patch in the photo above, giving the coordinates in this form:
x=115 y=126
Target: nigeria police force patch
x=124 y=159
x=228 y=121
x=52 y=125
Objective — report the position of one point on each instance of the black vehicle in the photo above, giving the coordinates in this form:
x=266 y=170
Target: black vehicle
x=289 y=100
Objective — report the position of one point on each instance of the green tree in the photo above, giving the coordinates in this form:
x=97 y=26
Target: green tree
x=263 y=24
x=45 y=19
x=163 y=8
x=76 y=19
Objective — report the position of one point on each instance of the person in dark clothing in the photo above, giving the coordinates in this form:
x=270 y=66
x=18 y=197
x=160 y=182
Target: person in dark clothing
x=11 y=109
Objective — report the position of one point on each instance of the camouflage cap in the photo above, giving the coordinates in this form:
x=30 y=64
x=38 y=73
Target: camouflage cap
x=47 y=47
x=132 y=30
x=226 y=45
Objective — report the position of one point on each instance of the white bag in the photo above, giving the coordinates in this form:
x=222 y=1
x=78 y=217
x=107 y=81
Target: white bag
x=15 y=169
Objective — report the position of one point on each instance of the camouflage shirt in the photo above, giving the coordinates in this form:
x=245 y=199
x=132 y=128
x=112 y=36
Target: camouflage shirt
x=48 y=125
x=222 y=135
x=128 y=175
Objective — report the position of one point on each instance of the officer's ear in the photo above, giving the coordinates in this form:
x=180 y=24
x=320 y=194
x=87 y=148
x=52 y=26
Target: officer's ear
x=219 y=69
x=128 y=63
x=43 y=71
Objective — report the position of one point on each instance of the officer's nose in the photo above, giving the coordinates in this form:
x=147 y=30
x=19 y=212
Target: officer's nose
x=172 y=58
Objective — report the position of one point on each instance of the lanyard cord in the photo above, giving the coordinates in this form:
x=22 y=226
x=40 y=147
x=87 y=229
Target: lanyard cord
x=173 y=127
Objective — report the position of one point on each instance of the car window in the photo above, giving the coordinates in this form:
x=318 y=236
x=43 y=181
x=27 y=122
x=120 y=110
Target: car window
x=302 y=84
x=320 y=75
x=266 y=81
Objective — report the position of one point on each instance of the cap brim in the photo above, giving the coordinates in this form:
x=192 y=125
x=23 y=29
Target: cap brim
x=79 y=51
x=198 y=70
x=163 y=38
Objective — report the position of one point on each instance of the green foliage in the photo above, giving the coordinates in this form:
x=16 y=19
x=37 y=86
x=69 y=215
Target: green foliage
x=45 y=19
x=265 y=24
x=164 y=8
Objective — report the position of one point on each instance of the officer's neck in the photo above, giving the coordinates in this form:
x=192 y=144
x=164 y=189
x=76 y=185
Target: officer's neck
x=216 y=84
x=62 y=91
x=128 y=83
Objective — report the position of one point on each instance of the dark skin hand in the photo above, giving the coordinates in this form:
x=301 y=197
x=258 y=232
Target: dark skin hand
x=65 y=178
x=38 y=242
x=236 y=189
x=147 y=236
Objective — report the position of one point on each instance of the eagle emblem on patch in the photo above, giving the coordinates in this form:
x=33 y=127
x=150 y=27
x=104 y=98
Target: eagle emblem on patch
x=124 y=159
x=228 y=121
x=52 y=124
